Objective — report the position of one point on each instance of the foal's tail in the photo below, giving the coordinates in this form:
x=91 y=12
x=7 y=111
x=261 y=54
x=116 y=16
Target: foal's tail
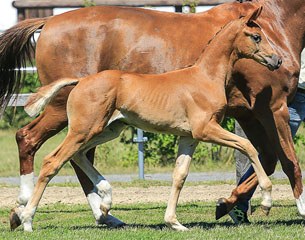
x=45 y=94
x=16 y=48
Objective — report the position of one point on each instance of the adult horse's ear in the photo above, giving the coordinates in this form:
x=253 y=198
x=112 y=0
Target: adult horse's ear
x=254 y=15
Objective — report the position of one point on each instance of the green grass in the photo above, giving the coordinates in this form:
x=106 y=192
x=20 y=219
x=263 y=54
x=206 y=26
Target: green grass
x=145 y=221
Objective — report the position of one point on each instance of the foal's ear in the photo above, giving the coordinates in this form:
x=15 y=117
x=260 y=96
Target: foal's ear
x=254 y=15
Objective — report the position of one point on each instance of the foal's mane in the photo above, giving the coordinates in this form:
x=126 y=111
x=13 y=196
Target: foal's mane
x=215 y=35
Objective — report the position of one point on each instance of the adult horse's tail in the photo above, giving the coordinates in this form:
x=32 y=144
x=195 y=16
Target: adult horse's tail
x=16 y=48
x=37 y=101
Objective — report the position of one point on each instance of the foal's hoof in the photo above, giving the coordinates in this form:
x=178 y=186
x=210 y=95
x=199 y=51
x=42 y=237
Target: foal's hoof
x=177 y=227
x=14 y=219
x=221 y=208
x=266 y=210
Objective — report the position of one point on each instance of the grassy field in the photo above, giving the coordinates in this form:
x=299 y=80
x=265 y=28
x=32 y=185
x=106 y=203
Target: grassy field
x=145 y=221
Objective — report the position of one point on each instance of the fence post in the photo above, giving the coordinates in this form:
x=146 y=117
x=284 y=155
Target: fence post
x=140 y=140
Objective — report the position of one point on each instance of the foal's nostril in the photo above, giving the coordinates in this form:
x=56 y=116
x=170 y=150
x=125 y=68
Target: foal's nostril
x=276 y=60
x=279 y=63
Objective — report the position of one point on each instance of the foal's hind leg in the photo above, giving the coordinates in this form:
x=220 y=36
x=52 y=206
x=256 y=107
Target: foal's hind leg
x=29 y=140
x=213 y=132
x=187 y=147
x=102 y=187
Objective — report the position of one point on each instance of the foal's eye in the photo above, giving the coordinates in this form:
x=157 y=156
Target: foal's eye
x=256 y=38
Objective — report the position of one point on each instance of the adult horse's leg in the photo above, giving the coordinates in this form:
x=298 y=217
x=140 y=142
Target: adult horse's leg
x=29 y=140
x=280 y=134
x=255 y=132
x=187 y=147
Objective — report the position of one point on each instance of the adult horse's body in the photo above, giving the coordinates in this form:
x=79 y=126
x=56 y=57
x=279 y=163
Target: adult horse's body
x=90 y=40
x=190 y=103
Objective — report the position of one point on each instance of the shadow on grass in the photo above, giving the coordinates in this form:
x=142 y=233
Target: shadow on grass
x=200 y=225
x=281 y=222
x=60 y=210
x=163 y=207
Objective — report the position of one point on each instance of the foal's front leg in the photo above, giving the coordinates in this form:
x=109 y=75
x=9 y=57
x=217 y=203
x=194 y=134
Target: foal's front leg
x=102 y=189
x=95 y=201
x=187 y=147
x=213 y=132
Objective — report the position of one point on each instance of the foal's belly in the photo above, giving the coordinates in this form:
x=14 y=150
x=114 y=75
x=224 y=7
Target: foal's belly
x=160 y=123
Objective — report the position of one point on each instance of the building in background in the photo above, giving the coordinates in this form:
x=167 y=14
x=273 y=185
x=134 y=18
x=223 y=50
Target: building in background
x=9 y=15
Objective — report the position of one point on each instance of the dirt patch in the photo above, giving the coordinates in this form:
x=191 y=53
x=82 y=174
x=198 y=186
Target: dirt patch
x=74 y=195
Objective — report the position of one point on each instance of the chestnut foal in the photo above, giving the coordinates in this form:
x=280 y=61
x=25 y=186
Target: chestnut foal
x=190 y=103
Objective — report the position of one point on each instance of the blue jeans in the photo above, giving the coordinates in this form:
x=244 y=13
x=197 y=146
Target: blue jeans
x=297 y=115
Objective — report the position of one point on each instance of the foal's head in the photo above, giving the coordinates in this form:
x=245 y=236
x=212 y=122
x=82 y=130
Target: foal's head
x=251 y=42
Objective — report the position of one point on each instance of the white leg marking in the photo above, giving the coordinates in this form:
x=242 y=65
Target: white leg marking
x=26 y=188
x=105 y=191
x=301 y=204
x=94 y=201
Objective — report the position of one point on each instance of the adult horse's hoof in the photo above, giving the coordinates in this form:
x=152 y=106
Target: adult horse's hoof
x=266 y=210
x=111 y=222
x=221 y=208
x=14 y=219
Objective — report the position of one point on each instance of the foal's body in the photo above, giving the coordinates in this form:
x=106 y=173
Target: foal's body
x=89 y=40
x=190 y=103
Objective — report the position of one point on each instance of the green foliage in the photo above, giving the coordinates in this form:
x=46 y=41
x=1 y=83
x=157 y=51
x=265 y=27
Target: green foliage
x=89 y=3
x=161 y=149
x=192 y=5
x=16 y=116
x=299 y=143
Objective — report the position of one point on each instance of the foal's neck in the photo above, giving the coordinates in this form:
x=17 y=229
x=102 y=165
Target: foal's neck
x=219 y=57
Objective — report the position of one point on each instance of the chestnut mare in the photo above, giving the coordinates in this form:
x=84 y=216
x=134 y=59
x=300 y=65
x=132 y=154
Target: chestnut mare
x=189 y=103
x=89 y=40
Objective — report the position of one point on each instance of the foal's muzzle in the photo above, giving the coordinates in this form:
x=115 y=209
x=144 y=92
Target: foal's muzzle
x=273 y=62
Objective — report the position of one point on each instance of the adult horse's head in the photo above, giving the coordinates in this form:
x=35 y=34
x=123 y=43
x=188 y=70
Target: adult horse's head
x=251 y=42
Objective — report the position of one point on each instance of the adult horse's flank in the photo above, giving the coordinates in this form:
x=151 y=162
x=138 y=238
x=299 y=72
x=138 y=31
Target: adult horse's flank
x=89 y=40
x=190 y=103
